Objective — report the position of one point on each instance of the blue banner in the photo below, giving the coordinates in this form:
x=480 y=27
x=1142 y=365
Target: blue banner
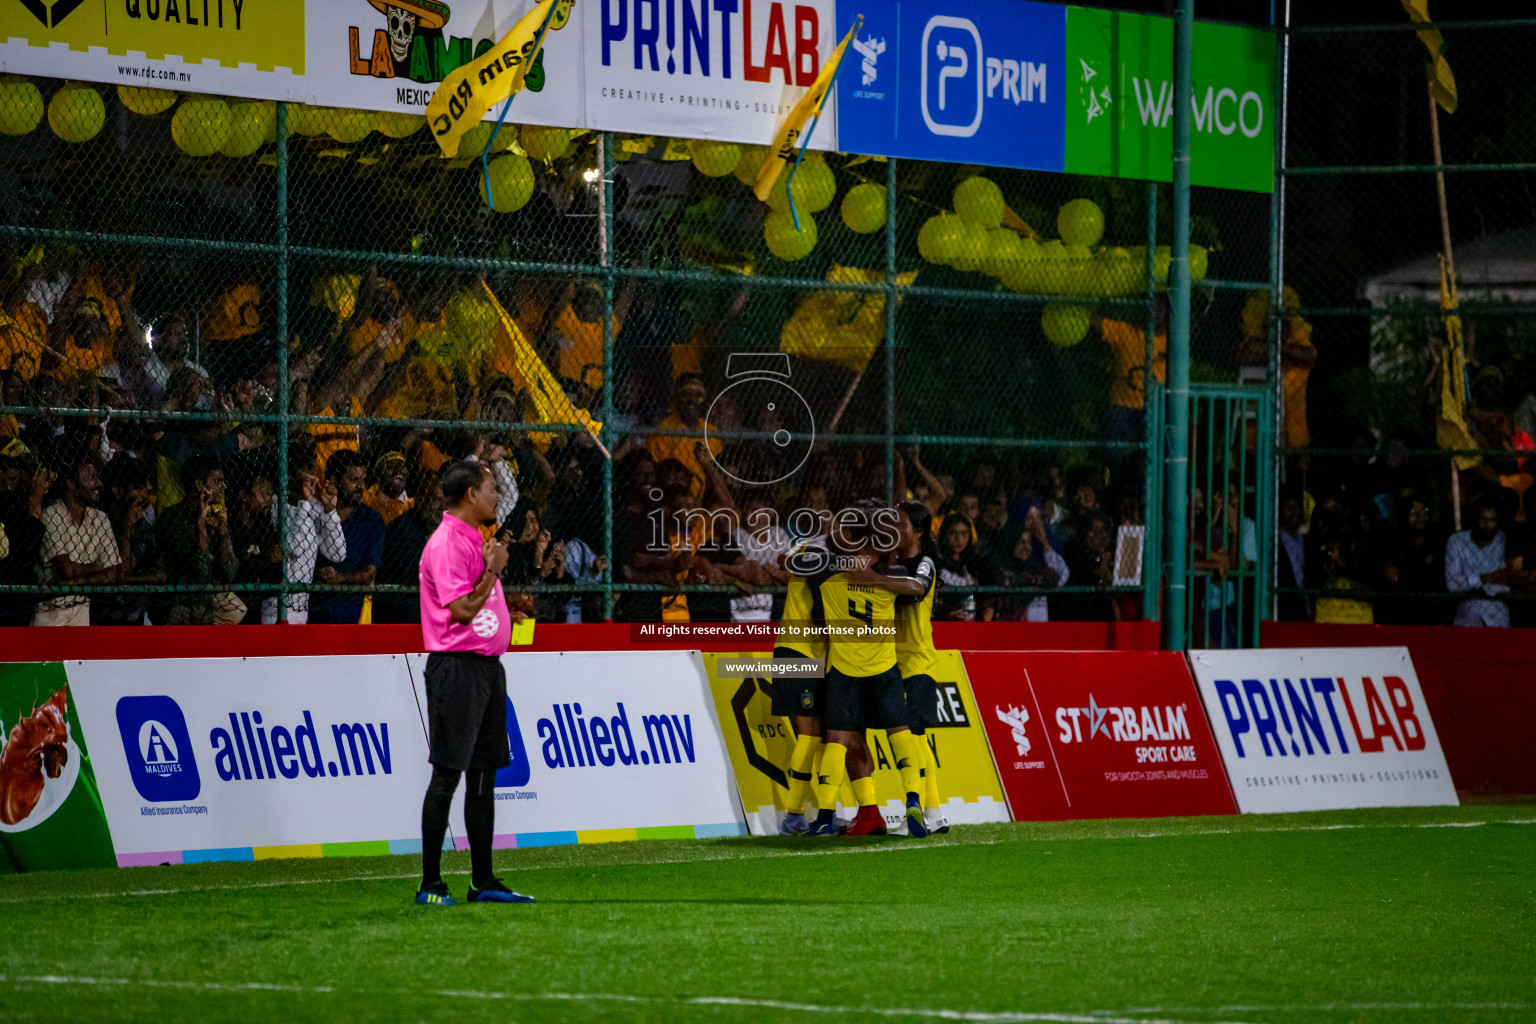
x=982 y=82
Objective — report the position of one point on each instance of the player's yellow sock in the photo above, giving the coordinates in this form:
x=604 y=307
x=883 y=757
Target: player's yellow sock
x=924 y=760
x=904 y=746
x=802 y=762
x=845 y=793
x=864 y=791
x=930 y=775
x=831 y=776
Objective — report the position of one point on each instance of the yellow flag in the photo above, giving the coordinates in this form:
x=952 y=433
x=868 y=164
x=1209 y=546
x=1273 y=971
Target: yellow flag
x=468 y=93
x=532 y=377
x=1442 y=84
x=1451 y=430
x=786 y=142
x=841 y=327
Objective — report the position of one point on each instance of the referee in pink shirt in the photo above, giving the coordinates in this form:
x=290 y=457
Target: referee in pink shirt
x=465 y=625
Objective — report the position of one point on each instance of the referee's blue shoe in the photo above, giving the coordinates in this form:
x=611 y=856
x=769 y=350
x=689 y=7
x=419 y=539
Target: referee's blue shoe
x=495 y=891
x=435 y=895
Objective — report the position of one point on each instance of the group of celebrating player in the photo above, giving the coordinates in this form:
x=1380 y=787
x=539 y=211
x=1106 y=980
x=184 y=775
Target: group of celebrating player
x=861 y=602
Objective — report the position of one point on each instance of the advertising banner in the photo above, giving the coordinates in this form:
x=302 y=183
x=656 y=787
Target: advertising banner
x=1119 y=100
x=1318 y=729
x=980 y=82
x=1103 y=734
x=50 y=810
x=707 y=70
x=241 y=759
x=608 y=746
x=385 y=55
x=760 y=745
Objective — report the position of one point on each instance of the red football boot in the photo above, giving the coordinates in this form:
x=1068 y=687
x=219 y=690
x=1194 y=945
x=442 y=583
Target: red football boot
x=868 y=822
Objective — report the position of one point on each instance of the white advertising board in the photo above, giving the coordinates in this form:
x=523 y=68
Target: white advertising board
x=229 y=758
x=609 y=745
x=1318 y=729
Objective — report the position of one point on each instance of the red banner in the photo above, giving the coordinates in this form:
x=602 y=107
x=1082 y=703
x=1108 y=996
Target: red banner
x=1098 y=734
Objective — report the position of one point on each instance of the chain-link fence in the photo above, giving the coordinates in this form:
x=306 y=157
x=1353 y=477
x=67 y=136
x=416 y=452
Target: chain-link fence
x=243 y=340
x=1375 y=409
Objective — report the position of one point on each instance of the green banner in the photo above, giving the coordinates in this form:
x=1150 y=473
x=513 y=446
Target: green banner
x=50 y=809
x=1119 y=100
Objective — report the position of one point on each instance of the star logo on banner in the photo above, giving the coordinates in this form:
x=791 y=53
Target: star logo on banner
x=1096 y=717
x=1091 y=101
x=1088 y=72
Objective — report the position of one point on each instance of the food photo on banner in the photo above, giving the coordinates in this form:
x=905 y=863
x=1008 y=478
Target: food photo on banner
x=760 y=744
x=203 y=759
x=51 y=815
x=595 y=736
x=1102 y=734
x=1320 y=729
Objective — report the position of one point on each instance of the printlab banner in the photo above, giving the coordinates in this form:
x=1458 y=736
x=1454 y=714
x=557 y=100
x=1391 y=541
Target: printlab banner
x=608 y=746
x=1318 y=729
x=242 y=758
x=1102 y=734
x=760 y=745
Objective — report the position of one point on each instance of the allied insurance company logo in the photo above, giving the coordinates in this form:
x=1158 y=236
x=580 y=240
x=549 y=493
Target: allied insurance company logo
x=958 y=78
x=158 y=748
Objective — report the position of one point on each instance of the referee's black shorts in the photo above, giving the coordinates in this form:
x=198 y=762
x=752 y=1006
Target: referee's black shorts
x=856 y=703
x=467 y=711
x=797 y=696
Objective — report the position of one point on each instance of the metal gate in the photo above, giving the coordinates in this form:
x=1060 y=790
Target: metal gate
x=1231 y=514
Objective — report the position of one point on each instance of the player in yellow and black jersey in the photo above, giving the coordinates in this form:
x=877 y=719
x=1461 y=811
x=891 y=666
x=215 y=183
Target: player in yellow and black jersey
x=915 y=654
x=863 y=683
x=799 y=698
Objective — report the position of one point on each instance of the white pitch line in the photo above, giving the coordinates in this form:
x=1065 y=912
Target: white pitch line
x=976 y=1016
x=1321 y=1007
x=712 y=856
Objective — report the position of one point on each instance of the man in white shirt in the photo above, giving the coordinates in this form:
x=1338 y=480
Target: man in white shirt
x=79 y=546
x=314 y=528
x=1474 y=561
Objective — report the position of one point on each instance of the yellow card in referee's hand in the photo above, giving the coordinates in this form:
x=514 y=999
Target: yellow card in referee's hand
x=522 y=633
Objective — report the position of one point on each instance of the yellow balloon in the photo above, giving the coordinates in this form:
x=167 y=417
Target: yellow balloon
x=544 y=143
x=979 y=201
x=929 y=245
x=349 y=125
x=1199 y=262
x=1116 y=272
x=1065 y=326
x=76 y=112
x=511 y=182
x=1075 y=276
x=399 y=124
x=1022 y=272
x=1162 y=258
x=252 y=123
x=863 y=208
x=1003 y=249
x=715 y=159
x=970 y=247
x=200 y=125
x=751 y=162
x=145 y=101
x=784 y=241
x=472 y=143
x=21 y=105
x=1080 y=222
x=307 y=120
x=815 y=187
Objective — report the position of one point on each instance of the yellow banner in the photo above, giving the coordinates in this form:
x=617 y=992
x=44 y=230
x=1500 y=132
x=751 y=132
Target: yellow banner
x=468 y=93
x=788 y=137
x=547 y=398
x=266 y=33
x=760 y=745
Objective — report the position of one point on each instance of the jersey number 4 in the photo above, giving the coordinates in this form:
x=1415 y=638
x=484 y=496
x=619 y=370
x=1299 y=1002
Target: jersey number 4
x=867 y=616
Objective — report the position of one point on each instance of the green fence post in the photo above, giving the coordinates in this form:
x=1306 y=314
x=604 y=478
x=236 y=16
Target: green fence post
x=1151 y=575
x=282 y=354
x=1176 y=634
x=608 y=370
x=891 y=497
x=1276 y=472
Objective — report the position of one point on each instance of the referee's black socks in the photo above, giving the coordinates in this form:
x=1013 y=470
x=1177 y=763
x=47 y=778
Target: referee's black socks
x=479 y=823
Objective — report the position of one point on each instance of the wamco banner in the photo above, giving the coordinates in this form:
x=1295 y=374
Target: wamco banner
x=1311 y=730
x=1100 y=734
x=760 y=745
x=608 y=746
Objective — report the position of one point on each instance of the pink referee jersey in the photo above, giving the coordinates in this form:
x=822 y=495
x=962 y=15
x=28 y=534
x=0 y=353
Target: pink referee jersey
x=451 y=565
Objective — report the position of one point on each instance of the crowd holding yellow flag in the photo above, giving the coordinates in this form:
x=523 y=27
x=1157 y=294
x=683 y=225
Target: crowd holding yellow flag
x=786 y=142
x=468 y=93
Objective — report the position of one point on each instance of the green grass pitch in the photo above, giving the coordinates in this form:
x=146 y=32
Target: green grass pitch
x=1375 y=916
